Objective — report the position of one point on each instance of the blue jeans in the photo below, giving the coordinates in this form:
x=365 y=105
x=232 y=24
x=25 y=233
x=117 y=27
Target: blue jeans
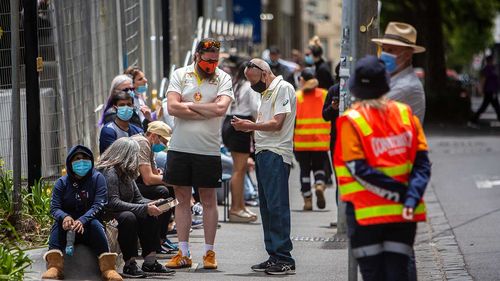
x=93 y=236
x=272 y=177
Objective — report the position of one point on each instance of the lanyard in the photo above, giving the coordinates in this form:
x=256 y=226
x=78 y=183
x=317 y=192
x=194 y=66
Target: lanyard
x=199 y=80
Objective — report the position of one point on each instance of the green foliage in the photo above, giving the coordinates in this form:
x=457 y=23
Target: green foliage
x=467 y=25
x=13 y=259
x=37 y=202
x=6 y=186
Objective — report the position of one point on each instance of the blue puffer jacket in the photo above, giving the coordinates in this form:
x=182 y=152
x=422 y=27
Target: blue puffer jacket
x=82 y=199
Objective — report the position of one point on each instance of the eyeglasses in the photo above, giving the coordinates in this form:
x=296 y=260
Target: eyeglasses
x=210 y=44
x=251 y=64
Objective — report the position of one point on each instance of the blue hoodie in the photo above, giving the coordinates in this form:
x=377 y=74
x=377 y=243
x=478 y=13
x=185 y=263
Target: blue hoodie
x=82 y=199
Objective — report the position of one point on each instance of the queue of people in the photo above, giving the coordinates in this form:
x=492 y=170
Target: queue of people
x=259 y=116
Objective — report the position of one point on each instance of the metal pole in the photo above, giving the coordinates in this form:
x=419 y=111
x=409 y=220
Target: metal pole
x=348 y=45
x=57 y=16
x=165 y=7
x=32 y=91
x=16 y=112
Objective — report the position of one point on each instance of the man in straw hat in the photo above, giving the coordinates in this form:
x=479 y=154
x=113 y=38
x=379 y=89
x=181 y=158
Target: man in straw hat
x=382 y=166
x=398 y=46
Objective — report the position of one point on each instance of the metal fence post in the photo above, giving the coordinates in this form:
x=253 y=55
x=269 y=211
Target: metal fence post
x=16 y=111
x=348 y=44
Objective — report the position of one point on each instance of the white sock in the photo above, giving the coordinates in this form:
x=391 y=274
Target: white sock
x=184 y=247
x=208 y=248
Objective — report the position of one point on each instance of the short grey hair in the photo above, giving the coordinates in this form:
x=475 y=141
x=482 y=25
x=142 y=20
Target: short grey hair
x=118 y=80
x=122 y=156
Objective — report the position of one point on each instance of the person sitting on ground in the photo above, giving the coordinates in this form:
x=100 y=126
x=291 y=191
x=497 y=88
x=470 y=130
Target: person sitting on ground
x=124 y=83
x=136 y=215
x=150 y=181
x=77 y=201
x=121 y=126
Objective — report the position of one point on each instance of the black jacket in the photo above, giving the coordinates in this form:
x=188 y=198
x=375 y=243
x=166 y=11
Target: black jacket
x=323 y=74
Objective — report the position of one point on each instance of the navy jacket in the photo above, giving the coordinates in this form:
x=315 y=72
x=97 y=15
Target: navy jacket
x=108 y=135
x=82 y=199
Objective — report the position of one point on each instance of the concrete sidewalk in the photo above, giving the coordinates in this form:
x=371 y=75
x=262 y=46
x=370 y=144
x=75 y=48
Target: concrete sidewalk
x=239 y=246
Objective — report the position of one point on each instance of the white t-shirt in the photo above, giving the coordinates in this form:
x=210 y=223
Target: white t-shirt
x=246 y=101
x=278 y=98
x=198 y=136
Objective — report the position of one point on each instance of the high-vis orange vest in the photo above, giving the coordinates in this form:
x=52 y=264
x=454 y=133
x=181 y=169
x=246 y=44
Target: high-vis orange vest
x=389 y=141
x=312 y=132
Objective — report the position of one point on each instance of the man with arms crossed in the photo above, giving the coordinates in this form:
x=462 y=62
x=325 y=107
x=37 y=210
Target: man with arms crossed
x=198 y=97
x=274 y=152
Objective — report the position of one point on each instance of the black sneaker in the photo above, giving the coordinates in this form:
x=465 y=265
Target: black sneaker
x=281 y=269
x=261 y=267
x=156 y=269
x=133 y=271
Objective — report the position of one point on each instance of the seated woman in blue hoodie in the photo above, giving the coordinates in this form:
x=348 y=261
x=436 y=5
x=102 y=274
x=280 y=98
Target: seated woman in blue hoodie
x=77 y=201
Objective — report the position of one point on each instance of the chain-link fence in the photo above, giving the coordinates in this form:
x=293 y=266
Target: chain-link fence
x=84 y=44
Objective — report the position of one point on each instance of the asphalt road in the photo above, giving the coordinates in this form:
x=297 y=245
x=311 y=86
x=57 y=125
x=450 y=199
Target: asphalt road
x=466 y=180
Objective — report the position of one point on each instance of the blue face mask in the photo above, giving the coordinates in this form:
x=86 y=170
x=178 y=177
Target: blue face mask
x=131 y=93
x=390 y=61
x=158 y=147
x=309 y=60
x=142 y=89
x=81 y=167
x=124 y=112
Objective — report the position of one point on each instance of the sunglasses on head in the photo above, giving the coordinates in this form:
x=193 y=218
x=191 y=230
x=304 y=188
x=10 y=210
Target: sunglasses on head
x=210 y=44
x=251 y=64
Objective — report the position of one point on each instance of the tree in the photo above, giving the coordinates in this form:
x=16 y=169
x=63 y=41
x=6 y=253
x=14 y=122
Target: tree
x=452 y=32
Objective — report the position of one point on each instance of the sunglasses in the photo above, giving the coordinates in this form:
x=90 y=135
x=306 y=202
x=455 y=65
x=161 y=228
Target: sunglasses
x=251 y=64
x=128 y=89
x=210 y=44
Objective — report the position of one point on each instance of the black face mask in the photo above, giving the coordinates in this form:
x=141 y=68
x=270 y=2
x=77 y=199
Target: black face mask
x=259 y=87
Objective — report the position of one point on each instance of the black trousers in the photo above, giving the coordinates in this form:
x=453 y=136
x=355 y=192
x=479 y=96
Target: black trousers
x=130 y=227
x=154 y=192
x=311 y=161
x=383 y=251
x=488 y=98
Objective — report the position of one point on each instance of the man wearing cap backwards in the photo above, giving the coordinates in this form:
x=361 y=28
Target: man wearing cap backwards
x=150 y=180
x=398 y=46
x=273 y=157
x=198 y=97
x=382 y=166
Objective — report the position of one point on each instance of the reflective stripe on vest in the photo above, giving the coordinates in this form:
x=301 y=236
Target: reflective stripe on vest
x=360 y=120
x=311 y=131
x=405 y=115
x=312 y=144
x=306 y=121
x=386 y=210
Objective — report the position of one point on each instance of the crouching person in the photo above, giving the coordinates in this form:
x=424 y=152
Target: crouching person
x=77 y=200
x=136 y=215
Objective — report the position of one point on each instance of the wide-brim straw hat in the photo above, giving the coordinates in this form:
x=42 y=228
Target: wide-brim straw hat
x=400 y=34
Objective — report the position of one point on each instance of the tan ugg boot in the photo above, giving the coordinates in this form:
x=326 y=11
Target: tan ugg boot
x=320 y=195
x=107 y=264
x=308 y=203
x=55 y=265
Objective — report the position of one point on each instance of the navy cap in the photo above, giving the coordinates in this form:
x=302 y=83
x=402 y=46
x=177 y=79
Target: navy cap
x=370 y=79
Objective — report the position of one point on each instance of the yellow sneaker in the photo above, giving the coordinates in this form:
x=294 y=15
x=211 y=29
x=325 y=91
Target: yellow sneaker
x=179 y=261
x=209 y=261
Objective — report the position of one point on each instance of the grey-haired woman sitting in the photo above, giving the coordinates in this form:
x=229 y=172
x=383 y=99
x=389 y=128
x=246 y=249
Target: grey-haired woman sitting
x=136 y=215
